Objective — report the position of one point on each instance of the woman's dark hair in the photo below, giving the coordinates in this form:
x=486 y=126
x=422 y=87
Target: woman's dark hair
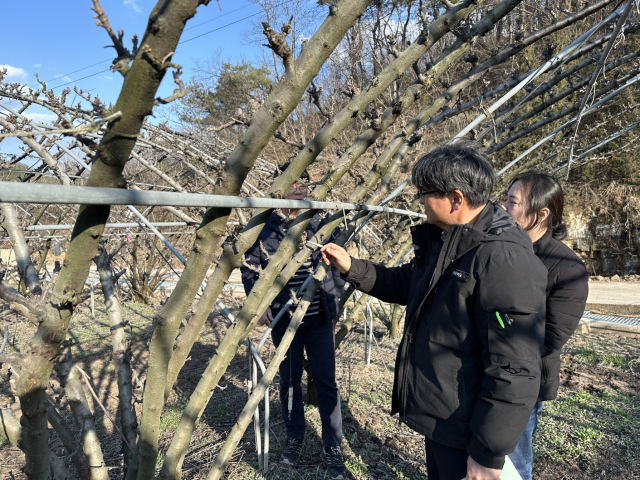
x=460 y=166
x=543 y=191
x=281 y=168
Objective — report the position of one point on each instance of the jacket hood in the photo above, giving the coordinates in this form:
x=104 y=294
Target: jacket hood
x=493 y=224
x=500 y=226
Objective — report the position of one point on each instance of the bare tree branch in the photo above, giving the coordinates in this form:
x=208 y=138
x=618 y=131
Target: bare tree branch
x=314 y=93
x=278 y=43
x=121 y=353
x=21 y=249
x=178 y=93
x=70 y=380
x=279 y=136
x=121 y=62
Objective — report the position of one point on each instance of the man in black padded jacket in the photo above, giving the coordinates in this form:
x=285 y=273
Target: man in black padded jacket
x=315 y=336
x=467 y=371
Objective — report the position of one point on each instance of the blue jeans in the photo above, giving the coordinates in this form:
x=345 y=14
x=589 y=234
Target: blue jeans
x=522 y=456
x=316 y=337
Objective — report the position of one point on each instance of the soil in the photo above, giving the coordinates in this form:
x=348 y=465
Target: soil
x=597 y=370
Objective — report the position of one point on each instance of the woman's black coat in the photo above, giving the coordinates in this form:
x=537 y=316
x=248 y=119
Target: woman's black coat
x=567 y=290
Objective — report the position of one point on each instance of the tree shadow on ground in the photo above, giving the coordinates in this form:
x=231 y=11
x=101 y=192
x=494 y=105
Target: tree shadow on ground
x=374 y=446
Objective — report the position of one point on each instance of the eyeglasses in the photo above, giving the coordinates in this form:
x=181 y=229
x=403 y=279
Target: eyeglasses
x=422 y=194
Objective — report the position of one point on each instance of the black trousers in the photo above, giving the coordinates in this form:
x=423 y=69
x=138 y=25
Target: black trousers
x=444 y=462
x=316 y=336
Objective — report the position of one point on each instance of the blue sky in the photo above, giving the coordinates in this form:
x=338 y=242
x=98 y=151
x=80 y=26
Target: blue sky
x=55 y=39
x=60 y=42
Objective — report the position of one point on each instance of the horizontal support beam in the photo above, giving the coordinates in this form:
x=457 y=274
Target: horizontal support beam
x=40 y=228
x=59 y=237
x=11 y=192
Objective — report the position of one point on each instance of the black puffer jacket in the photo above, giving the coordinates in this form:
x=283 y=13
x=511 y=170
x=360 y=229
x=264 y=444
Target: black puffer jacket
x=272 y=234
x=467 y=371
x=567 y=290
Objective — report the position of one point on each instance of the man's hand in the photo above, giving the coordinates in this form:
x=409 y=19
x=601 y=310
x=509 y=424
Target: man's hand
x=338 y=255
x=475 y=471
x=266 y=318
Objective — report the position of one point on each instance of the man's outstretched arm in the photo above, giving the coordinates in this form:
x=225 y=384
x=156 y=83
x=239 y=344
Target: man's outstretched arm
x=389 y=284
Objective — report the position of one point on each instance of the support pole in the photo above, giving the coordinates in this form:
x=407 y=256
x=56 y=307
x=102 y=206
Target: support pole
x=60 y=194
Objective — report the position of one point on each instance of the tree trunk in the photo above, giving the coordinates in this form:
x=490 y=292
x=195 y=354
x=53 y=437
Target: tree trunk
x=232 y=257
x=135 y=102
x=121 y=355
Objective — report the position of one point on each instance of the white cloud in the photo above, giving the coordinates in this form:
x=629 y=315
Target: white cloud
x=66 y=79
x=108 y=77
x=14 y=74
x=133 y=4
x=37 y=65
x=41 y=117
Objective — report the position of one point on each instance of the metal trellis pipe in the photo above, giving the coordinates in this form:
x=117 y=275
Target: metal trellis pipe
x=558 y=58
x=38 y=228
x=567 y=123
x=61 y=194
x=595 y=147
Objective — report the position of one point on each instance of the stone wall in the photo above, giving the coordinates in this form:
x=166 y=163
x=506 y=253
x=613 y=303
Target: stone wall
x=606 y=248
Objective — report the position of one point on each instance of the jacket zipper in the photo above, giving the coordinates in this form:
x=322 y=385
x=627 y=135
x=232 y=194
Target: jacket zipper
x=407 y=347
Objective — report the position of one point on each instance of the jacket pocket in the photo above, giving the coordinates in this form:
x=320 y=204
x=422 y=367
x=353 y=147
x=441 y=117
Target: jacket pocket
x=550 y=369
x=512 y=337
x=462 y=411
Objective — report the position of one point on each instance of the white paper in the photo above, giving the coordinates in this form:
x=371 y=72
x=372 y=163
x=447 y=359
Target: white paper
x=508 y=472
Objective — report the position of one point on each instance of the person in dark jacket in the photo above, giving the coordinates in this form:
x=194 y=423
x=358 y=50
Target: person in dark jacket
x=467 y=371
x=536 y=201
x=315 y=335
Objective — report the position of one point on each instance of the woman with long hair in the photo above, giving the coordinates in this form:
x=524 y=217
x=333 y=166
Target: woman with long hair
x=536 y=202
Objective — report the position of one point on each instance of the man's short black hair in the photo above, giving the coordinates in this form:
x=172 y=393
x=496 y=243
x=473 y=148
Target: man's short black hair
x=460 y=166
x=281 y=168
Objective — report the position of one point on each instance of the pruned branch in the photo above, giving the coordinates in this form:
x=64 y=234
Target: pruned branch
x=278 y=43
x=121 y=62
x=314 y=93
x=178 y=93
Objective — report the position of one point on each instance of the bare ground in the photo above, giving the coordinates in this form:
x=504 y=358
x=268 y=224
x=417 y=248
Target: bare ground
x=592 y=431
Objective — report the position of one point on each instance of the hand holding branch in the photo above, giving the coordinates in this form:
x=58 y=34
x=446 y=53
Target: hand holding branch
x=338 y=255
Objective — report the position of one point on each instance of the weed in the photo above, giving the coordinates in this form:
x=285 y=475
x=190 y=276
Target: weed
x=592 y=357
x=356 y=466
x=171 y=416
